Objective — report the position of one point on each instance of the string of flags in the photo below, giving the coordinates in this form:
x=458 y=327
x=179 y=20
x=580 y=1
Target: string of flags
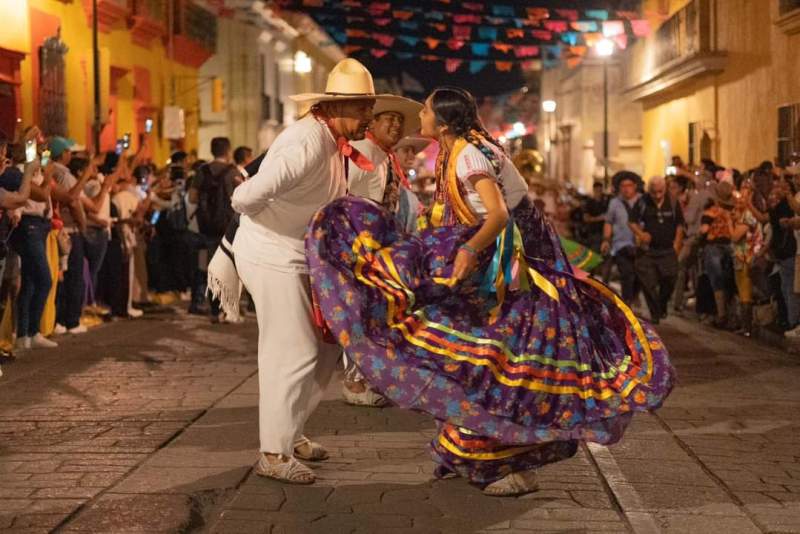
x=471 y=34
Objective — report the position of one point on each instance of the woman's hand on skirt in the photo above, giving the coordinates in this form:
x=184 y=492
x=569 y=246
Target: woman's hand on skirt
x=464 y=264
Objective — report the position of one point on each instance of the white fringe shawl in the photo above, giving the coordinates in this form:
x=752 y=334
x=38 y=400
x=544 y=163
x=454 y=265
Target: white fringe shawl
x=223 y=279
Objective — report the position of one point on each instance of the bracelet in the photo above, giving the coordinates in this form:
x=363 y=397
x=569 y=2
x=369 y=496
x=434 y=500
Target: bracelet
x=468 y=249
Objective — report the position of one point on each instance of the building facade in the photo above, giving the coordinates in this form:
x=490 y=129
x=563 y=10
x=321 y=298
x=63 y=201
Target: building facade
x=570 y=139
x=174 y=72
x=149 y=54
x=718 y=79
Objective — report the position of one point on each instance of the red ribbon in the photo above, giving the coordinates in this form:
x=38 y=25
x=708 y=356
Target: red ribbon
x=398 y=170
x=349 y=151
x=343 y=145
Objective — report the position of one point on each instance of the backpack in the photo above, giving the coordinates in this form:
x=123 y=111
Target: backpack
x=213 y=206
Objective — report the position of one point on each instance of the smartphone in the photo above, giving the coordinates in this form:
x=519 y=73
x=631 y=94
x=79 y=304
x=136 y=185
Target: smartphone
x=154 y=217
x=672 y=170
x=120 y=147
x=30 y=151
x=45 y=158
x=126 y=141
x=148 y=125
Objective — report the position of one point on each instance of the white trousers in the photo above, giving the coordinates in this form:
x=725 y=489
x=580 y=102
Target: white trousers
x=294 y=364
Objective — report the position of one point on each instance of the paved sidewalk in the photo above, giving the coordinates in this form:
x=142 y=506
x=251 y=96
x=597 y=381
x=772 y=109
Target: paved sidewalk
x=151 y=426
x=75 y=422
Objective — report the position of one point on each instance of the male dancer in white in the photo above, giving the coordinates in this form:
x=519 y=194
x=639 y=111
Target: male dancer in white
x=304 y=169
x=393 y=120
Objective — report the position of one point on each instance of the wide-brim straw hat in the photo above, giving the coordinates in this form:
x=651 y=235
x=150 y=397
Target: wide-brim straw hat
x=351 y=80
x=416 y=142
x=406 y=107
x=723 y=193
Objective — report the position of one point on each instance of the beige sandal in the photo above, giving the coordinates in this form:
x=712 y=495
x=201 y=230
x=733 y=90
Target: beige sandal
x=368 y=397
x=287 y=470
x=518 y=483
x=309 y=451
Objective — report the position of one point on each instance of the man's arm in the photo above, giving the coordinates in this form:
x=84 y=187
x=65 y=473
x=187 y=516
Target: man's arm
x=280 y=171
x=608 y=229
x=12 y=200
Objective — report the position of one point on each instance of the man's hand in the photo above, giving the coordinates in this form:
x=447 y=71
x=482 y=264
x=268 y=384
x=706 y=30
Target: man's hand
x=645 y=238
x=605 y=248
x=785 y=222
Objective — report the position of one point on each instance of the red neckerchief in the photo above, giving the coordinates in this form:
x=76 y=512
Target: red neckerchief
x=345 y=148
x=398 y=170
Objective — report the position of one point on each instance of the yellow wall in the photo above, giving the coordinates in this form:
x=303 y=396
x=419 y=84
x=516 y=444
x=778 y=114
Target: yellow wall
x=76 y=33
x=738 y=105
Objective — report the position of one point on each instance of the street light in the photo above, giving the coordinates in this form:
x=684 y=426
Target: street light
x=605 y=49
x=549 y=107
x=302 y=63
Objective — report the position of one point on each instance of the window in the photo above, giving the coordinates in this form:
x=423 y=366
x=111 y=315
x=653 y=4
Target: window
x=788 y=132
x=785 y=6
x=692 y=142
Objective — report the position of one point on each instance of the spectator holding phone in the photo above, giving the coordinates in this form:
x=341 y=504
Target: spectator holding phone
x=68 y=192
x=28 y=241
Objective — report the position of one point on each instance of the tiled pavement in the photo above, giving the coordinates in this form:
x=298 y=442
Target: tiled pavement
x=150 y=426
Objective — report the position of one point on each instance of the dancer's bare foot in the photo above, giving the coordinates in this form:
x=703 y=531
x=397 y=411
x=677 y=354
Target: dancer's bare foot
x=284 y=469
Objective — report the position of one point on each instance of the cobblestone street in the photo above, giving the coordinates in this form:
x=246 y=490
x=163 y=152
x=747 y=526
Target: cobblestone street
x=151 y=426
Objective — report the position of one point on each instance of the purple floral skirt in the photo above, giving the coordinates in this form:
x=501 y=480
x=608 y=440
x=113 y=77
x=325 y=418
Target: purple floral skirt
x=562 y=362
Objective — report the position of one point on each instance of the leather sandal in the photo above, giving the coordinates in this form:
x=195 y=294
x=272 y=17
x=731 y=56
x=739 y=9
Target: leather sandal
x=309 y=451
x=288 y=470
x=518 y=483
x=368 y=397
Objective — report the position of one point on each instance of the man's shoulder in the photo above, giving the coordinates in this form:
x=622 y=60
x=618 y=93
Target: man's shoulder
x=371 y=150
x=307 y=130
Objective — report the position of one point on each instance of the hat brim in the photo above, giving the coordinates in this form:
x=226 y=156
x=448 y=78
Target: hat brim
x=383 y=103
x=418 y=144
x=406 y=107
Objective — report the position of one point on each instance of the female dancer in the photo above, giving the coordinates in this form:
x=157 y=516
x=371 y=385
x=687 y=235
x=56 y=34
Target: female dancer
x=479 y=320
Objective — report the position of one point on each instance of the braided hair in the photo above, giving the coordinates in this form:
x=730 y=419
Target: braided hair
x=456 y=108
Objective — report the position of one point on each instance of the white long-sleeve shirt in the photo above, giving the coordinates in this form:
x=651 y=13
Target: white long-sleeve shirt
x=302 y=172
x=370 y=184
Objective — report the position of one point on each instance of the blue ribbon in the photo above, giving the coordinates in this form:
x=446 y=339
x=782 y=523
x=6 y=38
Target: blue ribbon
x=501 y=259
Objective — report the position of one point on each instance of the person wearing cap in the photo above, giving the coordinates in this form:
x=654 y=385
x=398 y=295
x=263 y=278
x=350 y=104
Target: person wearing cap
x=305 y=168
x=387 y=185
x=618 y=238
x=68 y=191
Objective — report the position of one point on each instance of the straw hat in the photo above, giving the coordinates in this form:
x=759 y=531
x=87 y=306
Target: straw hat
x=350 y=80
x=406 y=107
x=416 y=142
x=723 y=193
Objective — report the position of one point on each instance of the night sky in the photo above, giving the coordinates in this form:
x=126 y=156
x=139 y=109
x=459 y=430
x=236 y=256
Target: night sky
x=432 y=73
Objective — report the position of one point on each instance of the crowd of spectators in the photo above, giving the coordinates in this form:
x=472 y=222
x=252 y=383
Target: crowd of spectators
x=709 y=242
x=87 y=238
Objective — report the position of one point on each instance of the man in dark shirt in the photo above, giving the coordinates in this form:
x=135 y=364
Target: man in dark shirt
x=784 y=249
x=211 y=190
x=594 y=216
x=658 y=224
